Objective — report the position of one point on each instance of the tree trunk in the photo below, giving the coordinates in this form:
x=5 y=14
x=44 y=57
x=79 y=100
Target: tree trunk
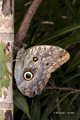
x=6 y=48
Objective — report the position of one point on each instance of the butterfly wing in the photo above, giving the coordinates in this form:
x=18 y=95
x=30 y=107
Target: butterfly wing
x=34 y=67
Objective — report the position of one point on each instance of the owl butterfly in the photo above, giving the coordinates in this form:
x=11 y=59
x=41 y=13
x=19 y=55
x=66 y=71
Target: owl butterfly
x=34 y=67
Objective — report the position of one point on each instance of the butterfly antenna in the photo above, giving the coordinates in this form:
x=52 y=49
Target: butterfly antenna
x=17 y=48
x=15 y=59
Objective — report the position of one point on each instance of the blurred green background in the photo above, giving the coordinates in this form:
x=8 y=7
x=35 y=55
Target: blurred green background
x=56 y=22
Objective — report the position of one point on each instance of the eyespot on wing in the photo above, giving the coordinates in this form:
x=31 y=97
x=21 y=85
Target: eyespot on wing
x=45 y=59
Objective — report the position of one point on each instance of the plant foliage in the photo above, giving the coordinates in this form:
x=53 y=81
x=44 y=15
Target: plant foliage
x=56 y=22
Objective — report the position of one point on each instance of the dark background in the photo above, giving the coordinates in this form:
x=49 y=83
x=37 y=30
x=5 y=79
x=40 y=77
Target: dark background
x=56 y=22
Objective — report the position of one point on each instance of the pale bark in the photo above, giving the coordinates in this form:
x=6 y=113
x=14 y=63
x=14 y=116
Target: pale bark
x=6 y=48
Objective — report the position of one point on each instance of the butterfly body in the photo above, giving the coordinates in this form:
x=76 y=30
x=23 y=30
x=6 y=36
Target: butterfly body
x=34 y=67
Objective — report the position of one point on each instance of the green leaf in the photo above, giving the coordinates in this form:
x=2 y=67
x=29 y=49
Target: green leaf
x=58 y=34
x=77 y=115
x=35 y=109
x=68 y=41
x=46 y=100
x=71 y=68
x=21 y=103
x=72 y=9
x=70 y=78
x=57 y=12
x=49 y=106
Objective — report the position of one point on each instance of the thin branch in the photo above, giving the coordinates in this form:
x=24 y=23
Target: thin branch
x=27 y=3
x=26 y=23
x=63 y=88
